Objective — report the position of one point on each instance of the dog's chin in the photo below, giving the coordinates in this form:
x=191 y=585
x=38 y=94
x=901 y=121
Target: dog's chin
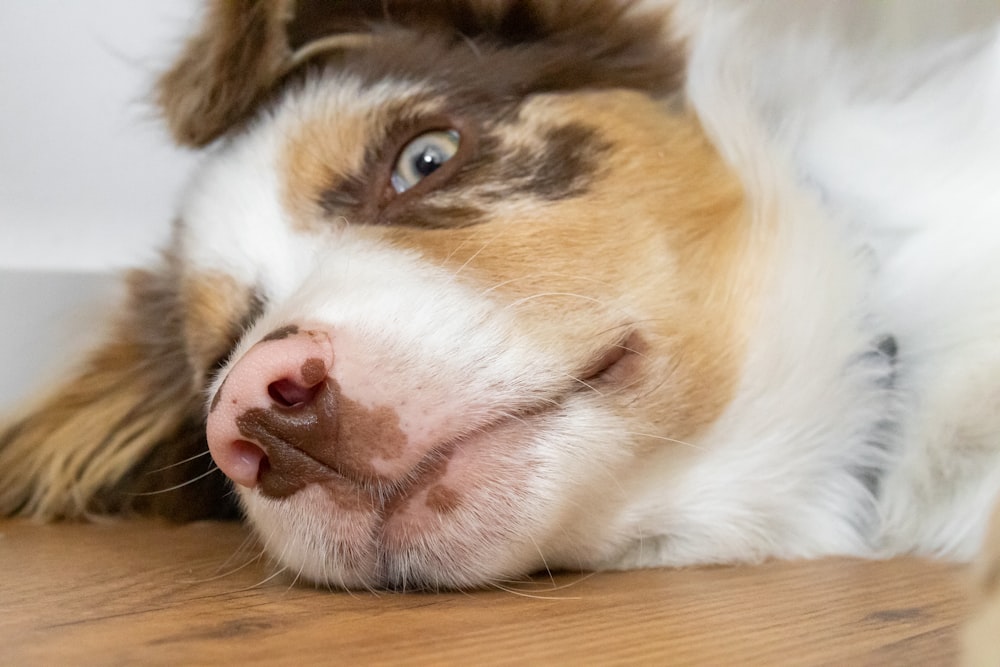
x=469 y=515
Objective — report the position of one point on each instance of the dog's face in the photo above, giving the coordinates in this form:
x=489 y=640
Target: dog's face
x=453 y=281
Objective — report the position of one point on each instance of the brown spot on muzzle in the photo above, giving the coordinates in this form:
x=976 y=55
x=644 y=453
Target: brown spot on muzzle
x=443 y=500
x=313 y=371
x=327 y=437
x=287 y=435
x=281 y=334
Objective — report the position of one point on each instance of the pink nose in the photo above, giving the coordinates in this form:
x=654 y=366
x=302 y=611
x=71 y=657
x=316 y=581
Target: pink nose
x=273 y=421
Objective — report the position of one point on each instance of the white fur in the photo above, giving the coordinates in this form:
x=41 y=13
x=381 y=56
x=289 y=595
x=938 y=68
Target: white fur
x=907 y=162
x=884 y=206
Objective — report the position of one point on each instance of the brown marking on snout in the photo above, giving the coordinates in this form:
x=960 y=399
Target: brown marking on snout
x=660 y=234
x=281 y=334
x=428 y=475
x=329 y=436
x=350 y=496
x=287 y=467
x=368 y=433
x=218 y=396
x=443 y=499
x=313 y=371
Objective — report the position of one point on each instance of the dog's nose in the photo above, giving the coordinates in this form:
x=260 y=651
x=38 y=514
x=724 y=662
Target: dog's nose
x=273 y=422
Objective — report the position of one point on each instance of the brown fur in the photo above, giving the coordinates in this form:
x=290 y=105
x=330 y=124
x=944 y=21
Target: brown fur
x=243 y=54
x=215 y=309
x=100 y=443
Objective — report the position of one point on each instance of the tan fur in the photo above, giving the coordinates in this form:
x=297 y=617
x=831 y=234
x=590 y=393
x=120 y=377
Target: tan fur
x=135 y=391
x=663 y=200
x=310 y=163
x=213 y=306
x=325 y=150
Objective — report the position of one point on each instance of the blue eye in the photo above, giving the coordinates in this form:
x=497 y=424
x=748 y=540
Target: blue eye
x=422 y=157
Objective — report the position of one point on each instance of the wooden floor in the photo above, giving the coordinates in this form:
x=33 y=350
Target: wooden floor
x=134 y=593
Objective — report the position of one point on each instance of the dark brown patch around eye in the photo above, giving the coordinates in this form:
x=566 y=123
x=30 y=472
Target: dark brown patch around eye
x=561 y=166
x=560 y=163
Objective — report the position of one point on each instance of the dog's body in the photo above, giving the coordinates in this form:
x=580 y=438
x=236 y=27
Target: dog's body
x=485 y=288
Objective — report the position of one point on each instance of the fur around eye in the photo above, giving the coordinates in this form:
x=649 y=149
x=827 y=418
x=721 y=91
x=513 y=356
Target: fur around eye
x=422 y=156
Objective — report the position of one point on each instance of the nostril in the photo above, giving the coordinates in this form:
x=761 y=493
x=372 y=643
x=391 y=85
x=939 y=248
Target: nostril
x=300 y=388
x=245 y=461
x=289 y=393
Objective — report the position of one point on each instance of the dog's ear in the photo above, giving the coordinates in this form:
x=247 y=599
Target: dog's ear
x=225 y=69
x=245 y=48
x=125 y=432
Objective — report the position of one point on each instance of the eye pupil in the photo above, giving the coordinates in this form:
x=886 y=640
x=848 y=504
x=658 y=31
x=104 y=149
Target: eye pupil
x=428 y=161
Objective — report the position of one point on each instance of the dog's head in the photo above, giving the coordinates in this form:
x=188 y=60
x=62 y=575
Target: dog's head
x=452 y=287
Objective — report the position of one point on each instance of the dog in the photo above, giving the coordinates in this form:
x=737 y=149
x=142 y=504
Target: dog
x=467 y=289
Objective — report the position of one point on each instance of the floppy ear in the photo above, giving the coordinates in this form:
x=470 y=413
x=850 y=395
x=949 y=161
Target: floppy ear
x=245 y=49
x=242 y=49
x=119 y=434
x=225 y=69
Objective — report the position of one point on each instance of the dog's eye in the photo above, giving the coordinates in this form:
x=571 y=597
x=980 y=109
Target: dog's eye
x=422 y=157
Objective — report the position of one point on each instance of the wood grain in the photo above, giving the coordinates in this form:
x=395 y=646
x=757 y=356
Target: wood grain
x=139 y=592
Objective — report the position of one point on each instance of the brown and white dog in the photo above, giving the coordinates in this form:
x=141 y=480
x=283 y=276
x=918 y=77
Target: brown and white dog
x=468 y=289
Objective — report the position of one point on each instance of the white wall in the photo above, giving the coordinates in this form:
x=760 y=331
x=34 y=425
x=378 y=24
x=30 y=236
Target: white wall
x=88 y=178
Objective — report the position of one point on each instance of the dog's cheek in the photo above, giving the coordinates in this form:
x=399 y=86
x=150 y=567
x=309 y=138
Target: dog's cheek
x=215 y=310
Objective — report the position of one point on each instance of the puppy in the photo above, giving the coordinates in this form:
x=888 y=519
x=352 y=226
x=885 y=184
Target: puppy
x=467 y=289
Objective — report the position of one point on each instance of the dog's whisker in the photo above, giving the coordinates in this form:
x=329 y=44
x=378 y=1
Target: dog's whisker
x=471 y=43
x=654 y=436
x=468 y=261
x=455 y=250
x=222 y=574
x=181 y=462
x=546 y=274
x=243 y=550
x=532 y=596
x=271 y=577
x=543 y=295
x=545 y=564
x=585 y=384
x=549 y=586
x=177 y=486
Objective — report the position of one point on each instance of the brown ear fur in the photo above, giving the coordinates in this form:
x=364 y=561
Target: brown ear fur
x=246 y=48
x=225 y=69
x=109 y=439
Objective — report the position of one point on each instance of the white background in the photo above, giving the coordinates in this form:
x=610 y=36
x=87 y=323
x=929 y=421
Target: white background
x=88 y=177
